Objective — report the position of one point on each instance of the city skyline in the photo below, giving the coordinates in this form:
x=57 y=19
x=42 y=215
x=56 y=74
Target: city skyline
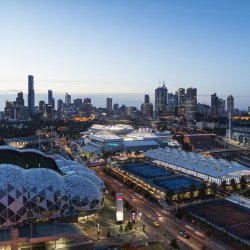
x=126 y=47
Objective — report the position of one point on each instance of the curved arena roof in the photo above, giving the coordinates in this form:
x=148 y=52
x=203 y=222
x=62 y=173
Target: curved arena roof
x=35 y=192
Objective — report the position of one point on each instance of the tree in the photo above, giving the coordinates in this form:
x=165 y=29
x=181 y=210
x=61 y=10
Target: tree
x=214 y=187
x=85 y=158
x=183 y=191
x=224 y=185
x=121 y=228
x=243 y=183
x=178 y=200
x=137 y=153
x=178 y=214
x=208 y=233
x=130 y=225
x=174 y=244
x=191 y=192
x=202 y=190
x=169 y=195
x=233 y=184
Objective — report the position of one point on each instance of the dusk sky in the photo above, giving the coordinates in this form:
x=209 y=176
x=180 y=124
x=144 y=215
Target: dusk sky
x=126 y=46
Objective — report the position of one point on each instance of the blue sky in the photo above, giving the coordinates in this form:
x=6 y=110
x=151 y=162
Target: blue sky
x=126 y=46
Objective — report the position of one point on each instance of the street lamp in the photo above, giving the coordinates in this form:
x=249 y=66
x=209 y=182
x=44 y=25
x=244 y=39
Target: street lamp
x=51 y=128
x=39 y=138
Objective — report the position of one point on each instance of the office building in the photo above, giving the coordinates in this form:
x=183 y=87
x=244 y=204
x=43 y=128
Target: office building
x=67 y=99
x=19 y=99
x=147 y=108
x=191 y=104
x=109 y=106
x=116 y=108
x=181 y=101
x=214 y=104
x=77 y=102
x=146 y=99
x=161 y=99
x=31 y=95
x=221 y=107
x=50 y=97
x=59 y=104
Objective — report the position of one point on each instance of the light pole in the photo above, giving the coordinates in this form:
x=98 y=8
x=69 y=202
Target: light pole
x=39 y=139
x=51 y=128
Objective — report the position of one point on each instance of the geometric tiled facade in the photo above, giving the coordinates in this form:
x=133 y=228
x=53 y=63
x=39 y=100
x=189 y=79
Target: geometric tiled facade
x=45 y=193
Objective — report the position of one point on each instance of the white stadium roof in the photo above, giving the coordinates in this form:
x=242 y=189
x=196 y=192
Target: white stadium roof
x=105 y=135
x=142 y=134
x=198 y=163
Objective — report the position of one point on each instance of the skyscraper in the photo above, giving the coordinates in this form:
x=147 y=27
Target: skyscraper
x=67 y=99
x=214 y=104
x=230 y=104
x=161 y=99
x=109 y=106
x=181 y=101
x=31 y=95
x=147 y=108
x=50 y=97
x=59 y=104
x=146 y=99
x=221 y=107
x=191 y=104
x=19 y=99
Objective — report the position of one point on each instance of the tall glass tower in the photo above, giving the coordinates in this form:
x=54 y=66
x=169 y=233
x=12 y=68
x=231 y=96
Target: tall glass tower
x=161 y=99
x=31 y=95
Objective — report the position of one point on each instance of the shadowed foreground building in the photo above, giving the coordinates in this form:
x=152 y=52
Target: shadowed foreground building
x=35 y=187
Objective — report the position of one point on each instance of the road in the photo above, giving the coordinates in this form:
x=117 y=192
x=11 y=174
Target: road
x=168 y=224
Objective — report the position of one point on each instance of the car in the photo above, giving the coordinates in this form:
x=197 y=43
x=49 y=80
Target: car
x=184 y=234
x=156 y=223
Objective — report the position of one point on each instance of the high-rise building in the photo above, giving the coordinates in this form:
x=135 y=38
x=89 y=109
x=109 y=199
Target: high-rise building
x=172 y=104
x=146 y=99
x=59 y=104
x=191 y=104
x=172 y=100
x=147 y=108
x=214 y=104
x=87 y=100
x=50 y=97
x=19 y=99
x=67 y=99
x=53 y=103
x=181 y=102
x=230 y=104
x=221 y=107
x=161 y=99
x=31 y=95
x=77 y=102
x=116 y=108
x=41 y=106
x=109 y=106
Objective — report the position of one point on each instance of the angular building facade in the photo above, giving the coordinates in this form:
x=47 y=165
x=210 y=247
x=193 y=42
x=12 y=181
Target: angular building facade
x=31 y=191
x=161 y=99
